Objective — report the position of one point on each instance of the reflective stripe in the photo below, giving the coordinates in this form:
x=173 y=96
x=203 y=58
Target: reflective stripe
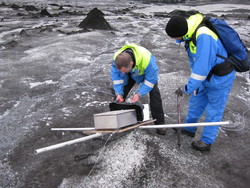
x=149 y=84
x=118 y=82
x=197 y=77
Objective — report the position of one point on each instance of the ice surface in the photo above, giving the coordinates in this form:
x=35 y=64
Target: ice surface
x=59 y=77
x=218 y=9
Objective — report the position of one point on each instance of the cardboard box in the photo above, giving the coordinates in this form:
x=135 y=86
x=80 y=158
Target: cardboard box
x=115 y=119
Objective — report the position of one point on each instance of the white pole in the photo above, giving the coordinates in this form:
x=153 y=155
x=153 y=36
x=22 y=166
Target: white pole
x=67 y=143
x=73 y=129
x=184 y=125
x=152 y=126
x=60 y=145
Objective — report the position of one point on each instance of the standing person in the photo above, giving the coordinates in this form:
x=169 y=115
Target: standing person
x=209 y=92
x=135 y=64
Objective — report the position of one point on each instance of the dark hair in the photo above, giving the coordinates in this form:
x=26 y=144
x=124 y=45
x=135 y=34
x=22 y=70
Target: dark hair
x=122 y=60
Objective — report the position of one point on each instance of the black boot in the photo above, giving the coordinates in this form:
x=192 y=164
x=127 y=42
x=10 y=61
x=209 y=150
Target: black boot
x=201 y=146
x=161 y=131
x=183 y=131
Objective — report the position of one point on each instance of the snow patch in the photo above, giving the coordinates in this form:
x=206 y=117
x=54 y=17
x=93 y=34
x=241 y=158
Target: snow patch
x=97 y=102
x=66 y=111
x=47 y=82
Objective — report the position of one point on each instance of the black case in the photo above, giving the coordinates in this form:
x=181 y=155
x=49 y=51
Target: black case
x=125 y=105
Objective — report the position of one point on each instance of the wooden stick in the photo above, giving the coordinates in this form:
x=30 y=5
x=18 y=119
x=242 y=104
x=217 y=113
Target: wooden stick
x=119 y=130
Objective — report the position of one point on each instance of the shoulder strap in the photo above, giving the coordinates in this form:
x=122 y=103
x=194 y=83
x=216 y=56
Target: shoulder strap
x=205 y=22
x=193 y=38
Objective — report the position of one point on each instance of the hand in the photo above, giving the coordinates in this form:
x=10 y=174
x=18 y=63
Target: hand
x=119 y=98
x=135 y=98
x=179 y=91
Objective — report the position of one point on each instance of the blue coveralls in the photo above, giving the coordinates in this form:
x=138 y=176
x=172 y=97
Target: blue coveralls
x=145 y=73
x=206 y=95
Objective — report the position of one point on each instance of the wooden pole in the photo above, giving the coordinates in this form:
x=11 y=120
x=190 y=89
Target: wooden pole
x=73 y=129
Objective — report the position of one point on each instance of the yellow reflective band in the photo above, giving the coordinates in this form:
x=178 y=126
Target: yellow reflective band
x=197 y=77
x=118 y=82
x=149 y=84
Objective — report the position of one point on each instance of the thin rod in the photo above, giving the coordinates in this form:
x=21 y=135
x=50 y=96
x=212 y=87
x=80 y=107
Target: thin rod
x=60 y=145
x=184 y=125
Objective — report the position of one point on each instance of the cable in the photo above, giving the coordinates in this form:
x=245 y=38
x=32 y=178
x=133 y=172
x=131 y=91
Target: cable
x=235 y=128
x=225 y=127
x=99 y=156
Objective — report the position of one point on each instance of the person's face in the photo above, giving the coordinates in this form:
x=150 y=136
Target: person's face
x=177 y=38
x=127 y=69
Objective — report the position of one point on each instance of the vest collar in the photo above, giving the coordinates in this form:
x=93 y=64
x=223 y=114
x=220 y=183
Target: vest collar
x=193 y=22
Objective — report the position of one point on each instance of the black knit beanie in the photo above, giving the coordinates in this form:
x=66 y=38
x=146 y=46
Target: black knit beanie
x=176 y=26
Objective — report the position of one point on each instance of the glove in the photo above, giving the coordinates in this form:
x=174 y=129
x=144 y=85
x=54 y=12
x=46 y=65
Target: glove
x=179 y=91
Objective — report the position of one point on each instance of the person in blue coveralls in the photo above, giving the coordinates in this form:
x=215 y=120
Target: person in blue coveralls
x=208 y=92
x=135 y=64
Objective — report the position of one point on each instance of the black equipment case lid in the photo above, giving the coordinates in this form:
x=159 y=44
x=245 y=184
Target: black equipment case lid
x=125 y=105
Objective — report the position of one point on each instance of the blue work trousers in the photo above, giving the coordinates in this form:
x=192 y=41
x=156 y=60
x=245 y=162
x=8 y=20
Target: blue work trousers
x=213 y=102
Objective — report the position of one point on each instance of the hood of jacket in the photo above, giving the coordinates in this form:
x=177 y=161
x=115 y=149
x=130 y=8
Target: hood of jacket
x=193 y=22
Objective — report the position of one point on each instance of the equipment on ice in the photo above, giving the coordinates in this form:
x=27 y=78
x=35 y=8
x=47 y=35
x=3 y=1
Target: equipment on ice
x=113 y=122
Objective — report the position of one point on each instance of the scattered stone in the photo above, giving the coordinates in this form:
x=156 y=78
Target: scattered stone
x=14 y=6
x=242 y=16
x=72 y=31
x=161 y=14
x=11 y=44
x=176 y=13
x=95 y=20
x=212 y=15
x=241 y=10
x=30 y=8
x=3 y=4
x=23 y=33
x=67 y=5
x=21 y=14
x=55 y=5
x=44 y=12
x=65 y=13
x=34 y=16
x=183 y=13
x=48 y=28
